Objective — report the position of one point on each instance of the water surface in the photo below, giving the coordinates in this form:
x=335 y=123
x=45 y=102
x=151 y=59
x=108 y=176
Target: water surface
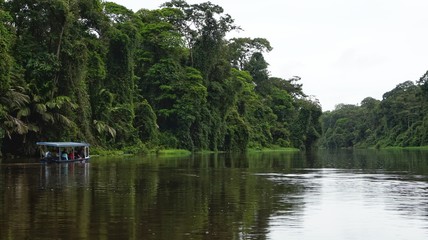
x=323 y=195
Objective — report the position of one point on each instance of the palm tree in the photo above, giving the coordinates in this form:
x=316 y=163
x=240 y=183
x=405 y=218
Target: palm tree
x=10 y=102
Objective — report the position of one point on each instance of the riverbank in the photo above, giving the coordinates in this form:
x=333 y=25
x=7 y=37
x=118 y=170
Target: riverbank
x=406 y=148
x=176 y=152
x=273 y=149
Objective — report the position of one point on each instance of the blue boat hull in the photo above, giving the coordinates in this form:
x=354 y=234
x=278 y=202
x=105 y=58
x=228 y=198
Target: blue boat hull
x=56 y=160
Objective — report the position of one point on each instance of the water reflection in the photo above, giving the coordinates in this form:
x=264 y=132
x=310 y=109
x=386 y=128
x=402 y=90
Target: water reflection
x=63 y=175
x=372 y=160
x=323 y=195
x=344 y=204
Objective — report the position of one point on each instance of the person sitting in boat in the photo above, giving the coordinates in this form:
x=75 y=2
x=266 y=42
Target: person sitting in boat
x=64 y=155
x=48 y=154
x=80 y=153
x=71 y=155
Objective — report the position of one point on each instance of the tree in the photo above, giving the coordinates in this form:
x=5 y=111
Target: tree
x=398 y=119
x=242 y=49
x=6 y=40
x=145 y=122
x=258 y=68
x=89 y=70
x=306 y=128
x=203 y=26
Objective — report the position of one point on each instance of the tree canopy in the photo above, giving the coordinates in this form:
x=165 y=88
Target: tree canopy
x=96 y=71
x=399 y=119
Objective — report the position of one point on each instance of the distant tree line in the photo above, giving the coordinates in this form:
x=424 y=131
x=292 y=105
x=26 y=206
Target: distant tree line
x=88 y=70
x=399 y=119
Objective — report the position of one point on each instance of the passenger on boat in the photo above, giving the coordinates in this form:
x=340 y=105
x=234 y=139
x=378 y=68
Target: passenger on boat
x=80 y=153
x=71 y=155
x=64 y=155
x=77 y=155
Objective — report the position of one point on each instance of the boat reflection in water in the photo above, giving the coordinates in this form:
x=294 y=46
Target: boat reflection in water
x=64 y=175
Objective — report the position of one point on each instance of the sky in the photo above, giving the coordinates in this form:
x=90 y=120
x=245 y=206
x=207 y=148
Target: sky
x=343 y=50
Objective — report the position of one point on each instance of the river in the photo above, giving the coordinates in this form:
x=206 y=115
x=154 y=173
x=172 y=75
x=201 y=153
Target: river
x=360 y=194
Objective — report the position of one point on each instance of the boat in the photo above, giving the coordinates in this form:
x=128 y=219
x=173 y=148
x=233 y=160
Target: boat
x=64 y=152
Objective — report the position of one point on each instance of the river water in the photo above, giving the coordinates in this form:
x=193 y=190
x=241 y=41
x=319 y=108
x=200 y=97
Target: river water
x=361 y=194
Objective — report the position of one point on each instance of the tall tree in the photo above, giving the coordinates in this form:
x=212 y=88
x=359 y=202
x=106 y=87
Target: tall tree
x=242 y=49
x=204 y=27
x=89 y=70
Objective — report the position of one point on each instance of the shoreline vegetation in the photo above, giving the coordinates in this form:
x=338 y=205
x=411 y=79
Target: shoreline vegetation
x=181 y=152
x=381 y=148
x=168 y=78
x=398 y=121
x=406 y=148
x=184 y=152
x=273 y=149
x=97 y=72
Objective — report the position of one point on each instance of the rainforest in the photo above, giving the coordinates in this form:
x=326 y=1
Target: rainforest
x=399 y=119
x=170 y=78
x=95 y=71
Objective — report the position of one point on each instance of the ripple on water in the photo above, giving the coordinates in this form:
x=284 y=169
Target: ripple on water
x=349 y=204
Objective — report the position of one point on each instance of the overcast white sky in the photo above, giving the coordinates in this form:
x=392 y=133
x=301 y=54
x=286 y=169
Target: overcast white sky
x=344 y=50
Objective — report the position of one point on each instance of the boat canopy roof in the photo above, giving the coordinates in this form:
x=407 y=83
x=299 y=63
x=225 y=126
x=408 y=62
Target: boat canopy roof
x=63 y=144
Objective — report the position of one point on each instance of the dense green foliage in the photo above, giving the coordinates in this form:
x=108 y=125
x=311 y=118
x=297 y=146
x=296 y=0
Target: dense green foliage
x=87 y=70
x=399 y=119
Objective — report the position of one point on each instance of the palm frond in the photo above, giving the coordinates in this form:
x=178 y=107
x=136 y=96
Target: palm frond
x=24 y=112
x=13 y=124
x=111 y=131
x=60 y=102
x=99 y=126
x=48 y=117
x=102 y=127
x=34 y=128
x=40 y=108
x=14 y=99
x=63 y=120
x=37 y=98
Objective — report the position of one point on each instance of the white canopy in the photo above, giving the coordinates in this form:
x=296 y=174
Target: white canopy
x=63 y=144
